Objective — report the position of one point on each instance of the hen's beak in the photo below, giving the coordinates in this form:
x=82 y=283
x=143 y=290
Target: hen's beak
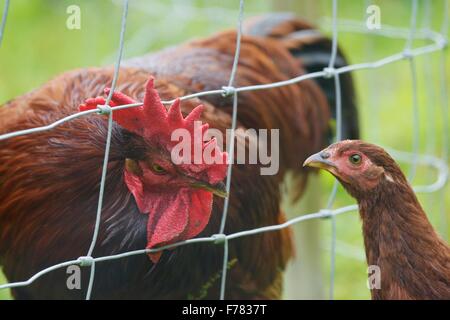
x=319 y=160
x=219 y=189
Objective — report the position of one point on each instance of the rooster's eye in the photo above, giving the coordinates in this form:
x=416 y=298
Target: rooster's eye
x=158 y=169
x=355 y=158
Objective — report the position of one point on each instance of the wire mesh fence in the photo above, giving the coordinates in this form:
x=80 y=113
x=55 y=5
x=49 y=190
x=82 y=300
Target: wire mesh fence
x=438 y=43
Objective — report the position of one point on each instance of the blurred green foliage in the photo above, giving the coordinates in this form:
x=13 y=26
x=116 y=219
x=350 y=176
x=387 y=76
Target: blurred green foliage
x=37 y=46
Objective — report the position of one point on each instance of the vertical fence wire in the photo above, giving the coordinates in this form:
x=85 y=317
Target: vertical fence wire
x=445 y=142
x=415 y=101
x=107 y=149
x=431 y=103
x=443 y=73
x=338 y=107
x=231 y=90
x=428 y=84
x=373 y=109
x=223 y=279
x=3 y=22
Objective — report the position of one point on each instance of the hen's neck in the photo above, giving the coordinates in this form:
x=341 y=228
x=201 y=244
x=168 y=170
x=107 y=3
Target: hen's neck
x=400 y=240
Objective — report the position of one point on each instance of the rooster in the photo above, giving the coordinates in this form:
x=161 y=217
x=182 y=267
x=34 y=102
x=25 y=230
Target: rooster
x=414 y=262
x=50 y=180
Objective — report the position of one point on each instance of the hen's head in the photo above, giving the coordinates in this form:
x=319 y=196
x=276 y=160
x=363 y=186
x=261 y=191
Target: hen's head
x=359 y=166
x=177 y=196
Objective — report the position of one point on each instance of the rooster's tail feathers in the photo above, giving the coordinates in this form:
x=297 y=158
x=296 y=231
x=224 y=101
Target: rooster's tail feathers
x=313 y=50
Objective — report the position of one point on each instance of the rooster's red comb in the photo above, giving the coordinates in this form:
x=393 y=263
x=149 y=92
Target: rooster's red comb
x=151 y=119
x=154 y=122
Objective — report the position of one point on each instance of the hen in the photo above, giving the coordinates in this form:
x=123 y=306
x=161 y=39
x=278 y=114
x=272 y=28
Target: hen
x=414 y=262
x=50 y=180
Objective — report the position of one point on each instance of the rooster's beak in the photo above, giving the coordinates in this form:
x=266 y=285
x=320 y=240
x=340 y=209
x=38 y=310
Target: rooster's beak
x=219 y=189
x=319 y=160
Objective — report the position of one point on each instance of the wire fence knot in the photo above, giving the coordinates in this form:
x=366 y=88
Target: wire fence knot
x=325 y=213
x=407 y=54
x=104 y=109
x=86 y=261
x=219 y=238
x=228 y=91
x=329 y=72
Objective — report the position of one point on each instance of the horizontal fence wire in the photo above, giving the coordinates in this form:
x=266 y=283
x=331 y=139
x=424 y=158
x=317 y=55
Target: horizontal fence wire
x=438 y=41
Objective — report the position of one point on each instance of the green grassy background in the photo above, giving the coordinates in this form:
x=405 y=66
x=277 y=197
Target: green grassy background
x=37 y=46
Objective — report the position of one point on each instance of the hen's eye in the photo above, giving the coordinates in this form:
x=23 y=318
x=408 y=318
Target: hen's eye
x=158 y=169
x=355 y=158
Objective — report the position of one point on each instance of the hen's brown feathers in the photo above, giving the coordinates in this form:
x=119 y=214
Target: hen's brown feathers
x=414 y=262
